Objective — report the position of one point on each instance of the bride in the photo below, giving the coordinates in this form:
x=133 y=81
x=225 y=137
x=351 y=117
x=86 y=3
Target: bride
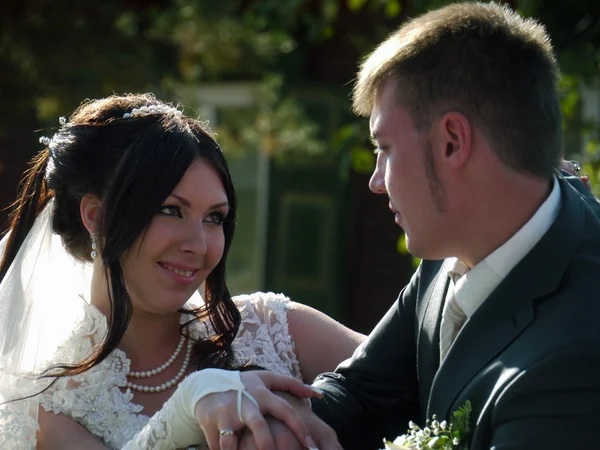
x=128 y=210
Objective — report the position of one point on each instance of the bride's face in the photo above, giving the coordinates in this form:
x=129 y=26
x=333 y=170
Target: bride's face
x=182 y=245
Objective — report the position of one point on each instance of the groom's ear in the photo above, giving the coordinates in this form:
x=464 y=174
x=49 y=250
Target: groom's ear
x=455 y=133
x=90 y=209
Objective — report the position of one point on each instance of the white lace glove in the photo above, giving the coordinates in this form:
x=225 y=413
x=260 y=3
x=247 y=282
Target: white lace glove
x=175 y=425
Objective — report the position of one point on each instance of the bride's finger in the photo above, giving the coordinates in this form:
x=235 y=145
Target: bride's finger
x=212 y=439
x=227 y=439
x=222 y=435
x=217 y=416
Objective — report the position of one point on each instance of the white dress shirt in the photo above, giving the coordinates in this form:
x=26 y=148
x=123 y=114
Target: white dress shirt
x=472 y=287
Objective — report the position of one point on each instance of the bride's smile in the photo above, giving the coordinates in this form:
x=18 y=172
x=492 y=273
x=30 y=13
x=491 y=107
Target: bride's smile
x=182 y=244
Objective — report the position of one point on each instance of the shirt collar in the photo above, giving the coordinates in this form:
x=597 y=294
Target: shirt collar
x=473 y=286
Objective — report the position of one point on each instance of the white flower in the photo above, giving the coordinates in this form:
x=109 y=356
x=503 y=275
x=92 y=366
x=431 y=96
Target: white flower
x=398 y=444
x=439 y=435
x=402 y=441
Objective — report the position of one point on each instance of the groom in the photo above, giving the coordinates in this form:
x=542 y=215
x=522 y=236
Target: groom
x=504 y=311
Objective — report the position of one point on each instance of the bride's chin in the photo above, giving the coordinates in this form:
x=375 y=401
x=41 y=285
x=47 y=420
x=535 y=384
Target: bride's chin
x=158 y=306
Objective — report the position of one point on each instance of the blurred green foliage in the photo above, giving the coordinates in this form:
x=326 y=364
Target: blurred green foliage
x=54 y=53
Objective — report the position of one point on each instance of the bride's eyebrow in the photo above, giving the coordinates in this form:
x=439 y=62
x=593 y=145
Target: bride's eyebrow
x=187 y=204
x=182 y=200
x=220 y=205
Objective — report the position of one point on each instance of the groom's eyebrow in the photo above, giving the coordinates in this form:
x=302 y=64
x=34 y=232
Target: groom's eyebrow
x=374 y=137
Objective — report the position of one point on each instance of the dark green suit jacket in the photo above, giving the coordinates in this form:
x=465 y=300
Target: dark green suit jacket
x=528 y=359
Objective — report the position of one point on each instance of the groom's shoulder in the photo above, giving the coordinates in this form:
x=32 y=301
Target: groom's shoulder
x=572 y=309
x=585 y=263
x=574 y=191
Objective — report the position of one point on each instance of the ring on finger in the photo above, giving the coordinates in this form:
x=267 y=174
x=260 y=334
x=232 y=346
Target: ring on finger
x=576 y=166
x=226 y=432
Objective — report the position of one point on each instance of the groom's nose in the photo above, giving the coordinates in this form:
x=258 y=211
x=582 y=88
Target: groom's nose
x=377 y=181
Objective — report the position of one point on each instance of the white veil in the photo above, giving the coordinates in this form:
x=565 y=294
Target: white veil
x=42 y=302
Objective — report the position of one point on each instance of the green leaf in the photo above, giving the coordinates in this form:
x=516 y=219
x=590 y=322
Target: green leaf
x=528 y=8
x=461 y=420
x=331 y=10
x=403 y=250
x=393 y=8
x=416 y=262
x=355 y=5
x=401 y=245
x=363 y=160
x=441 y=443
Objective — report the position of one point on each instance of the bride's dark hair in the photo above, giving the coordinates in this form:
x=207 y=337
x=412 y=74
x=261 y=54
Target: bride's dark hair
x=132 y=164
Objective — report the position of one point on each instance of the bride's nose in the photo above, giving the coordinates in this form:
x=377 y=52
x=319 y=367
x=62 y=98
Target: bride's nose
x=195 y=240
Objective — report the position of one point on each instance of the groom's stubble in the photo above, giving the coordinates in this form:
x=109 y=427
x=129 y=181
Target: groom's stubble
x=433 y=180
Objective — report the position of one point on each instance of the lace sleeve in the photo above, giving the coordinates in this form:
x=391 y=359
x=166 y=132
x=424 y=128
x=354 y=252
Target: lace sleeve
x=18 y=425
x=158 y=434
x=264 y=338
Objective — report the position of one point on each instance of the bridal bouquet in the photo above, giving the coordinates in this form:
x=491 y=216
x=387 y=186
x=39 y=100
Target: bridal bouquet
x=437 y=435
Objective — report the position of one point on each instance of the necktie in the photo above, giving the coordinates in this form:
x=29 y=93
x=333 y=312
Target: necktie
x=453 y=318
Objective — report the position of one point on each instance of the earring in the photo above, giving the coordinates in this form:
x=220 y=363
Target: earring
x=94 y=245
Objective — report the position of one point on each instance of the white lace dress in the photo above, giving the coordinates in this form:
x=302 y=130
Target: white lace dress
x=95 y=399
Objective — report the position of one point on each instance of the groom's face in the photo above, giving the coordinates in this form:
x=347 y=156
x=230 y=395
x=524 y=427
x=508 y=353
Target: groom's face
x=406 y=172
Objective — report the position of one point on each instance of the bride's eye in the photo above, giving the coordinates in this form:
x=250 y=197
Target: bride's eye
x=216 y=217
x=171 y=210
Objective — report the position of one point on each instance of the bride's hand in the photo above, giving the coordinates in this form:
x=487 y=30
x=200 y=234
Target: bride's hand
x=220 y=420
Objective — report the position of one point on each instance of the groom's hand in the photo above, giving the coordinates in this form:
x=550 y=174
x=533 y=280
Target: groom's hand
x=324 y=436
x=221 y=417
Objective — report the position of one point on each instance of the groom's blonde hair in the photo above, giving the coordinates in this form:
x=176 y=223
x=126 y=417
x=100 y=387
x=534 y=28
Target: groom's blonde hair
x=485 y=61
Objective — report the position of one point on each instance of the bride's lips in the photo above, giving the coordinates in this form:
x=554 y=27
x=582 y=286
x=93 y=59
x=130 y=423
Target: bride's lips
x=178 y=272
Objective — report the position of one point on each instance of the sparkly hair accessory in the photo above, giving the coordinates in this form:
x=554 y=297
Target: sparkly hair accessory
x=152 y=109
x=53 y=144
x=59 y=139
x=50 y=142
x=45 y=140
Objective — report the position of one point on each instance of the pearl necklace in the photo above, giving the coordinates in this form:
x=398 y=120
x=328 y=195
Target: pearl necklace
x=173 y=381
x=152 y=372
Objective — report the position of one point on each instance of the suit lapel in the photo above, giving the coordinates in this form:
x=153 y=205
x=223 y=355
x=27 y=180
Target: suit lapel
x=509 y=309
x=429 y=318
